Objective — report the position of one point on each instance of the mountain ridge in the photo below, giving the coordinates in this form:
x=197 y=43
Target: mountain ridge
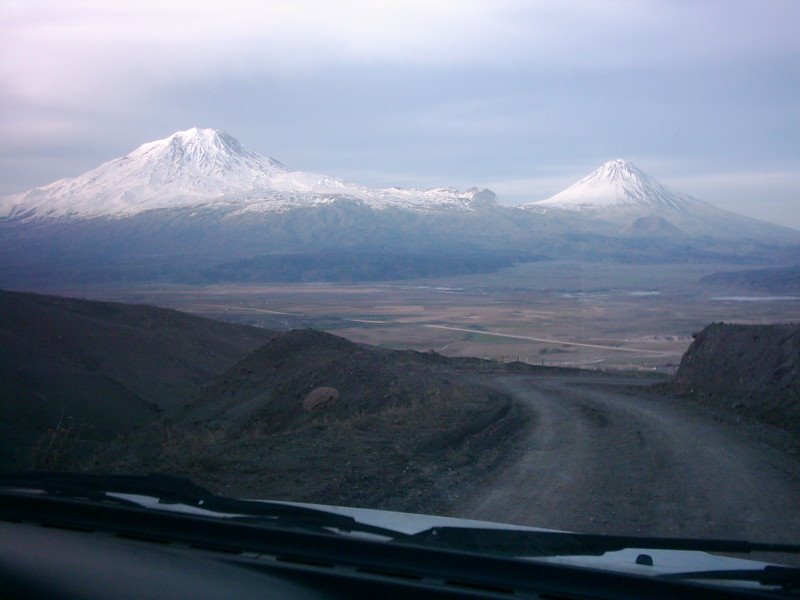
x=198 y=205
x=208 y=168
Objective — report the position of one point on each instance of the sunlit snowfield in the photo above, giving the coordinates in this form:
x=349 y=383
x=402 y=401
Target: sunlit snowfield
x=591 y=315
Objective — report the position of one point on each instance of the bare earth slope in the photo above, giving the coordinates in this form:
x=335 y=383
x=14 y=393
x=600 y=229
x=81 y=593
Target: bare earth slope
x=406 y=430
x=750 y=369
x=108 y=366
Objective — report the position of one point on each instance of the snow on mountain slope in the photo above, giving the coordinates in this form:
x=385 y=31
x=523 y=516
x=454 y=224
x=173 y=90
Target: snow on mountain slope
x=617 y=185
x=623 y=199
x=209 y=168
x=186 y=168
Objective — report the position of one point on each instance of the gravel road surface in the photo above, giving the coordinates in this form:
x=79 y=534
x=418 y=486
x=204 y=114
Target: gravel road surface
x=601 y=457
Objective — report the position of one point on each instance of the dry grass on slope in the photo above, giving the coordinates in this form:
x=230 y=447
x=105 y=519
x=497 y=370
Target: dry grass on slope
x=405 y=434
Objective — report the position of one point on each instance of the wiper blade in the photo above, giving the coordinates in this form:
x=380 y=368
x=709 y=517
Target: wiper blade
x=518 y=542
x=787 y=578
x=502 y=542
x=170 y=490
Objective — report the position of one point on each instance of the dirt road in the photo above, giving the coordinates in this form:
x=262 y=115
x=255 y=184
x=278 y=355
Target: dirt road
x=598 y=457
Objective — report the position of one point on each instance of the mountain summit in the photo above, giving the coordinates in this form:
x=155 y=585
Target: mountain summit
x=209 y=153
x=619 y=198
x=186 y=168
x=207 y=168
x=617 y=185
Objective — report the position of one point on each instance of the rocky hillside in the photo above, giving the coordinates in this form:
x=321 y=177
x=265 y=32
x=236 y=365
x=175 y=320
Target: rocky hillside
x=403 y=431
x=753 y=369
x=101 y=367
x=300 y=415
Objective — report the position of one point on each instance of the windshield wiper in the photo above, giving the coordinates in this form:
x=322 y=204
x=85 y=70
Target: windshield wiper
x=79 y=503
x=170 y=491
x=787 y=578
x=517 y=542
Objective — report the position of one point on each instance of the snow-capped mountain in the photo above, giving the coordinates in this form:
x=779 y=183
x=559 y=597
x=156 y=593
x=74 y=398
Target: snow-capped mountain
x=209 y=168
x=199 y=207
x=619 y=198
x=617 y=185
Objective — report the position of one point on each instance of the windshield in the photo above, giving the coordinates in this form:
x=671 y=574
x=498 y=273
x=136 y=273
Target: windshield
x=508 y=262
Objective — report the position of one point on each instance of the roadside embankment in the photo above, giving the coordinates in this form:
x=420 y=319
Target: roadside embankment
x=752 y=369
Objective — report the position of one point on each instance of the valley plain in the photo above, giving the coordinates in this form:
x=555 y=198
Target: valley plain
x=560 y=313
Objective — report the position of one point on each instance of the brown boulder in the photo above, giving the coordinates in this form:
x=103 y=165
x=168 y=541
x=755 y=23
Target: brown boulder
x=320 y=398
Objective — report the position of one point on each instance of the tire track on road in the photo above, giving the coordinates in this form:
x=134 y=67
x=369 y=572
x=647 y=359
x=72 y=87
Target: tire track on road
x=600 y=461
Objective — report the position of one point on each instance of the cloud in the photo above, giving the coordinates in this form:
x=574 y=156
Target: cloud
x=80 y=51
x=769 y=195
x=458 y=92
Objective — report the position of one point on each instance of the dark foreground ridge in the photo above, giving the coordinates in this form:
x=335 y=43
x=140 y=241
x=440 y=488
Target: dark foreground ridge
x=750 y=369
x=113 y=387
x=103 y=368
x=404 y=428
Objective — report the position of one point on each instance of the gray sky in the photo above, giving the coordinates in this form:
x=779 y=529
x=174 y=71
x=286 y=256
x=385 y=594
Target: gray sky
x=521 y=97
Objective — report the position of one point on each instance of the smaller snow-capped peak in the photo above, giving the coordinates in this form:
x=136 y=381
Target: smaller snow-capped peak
x=618 y=170
x=616 y=185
